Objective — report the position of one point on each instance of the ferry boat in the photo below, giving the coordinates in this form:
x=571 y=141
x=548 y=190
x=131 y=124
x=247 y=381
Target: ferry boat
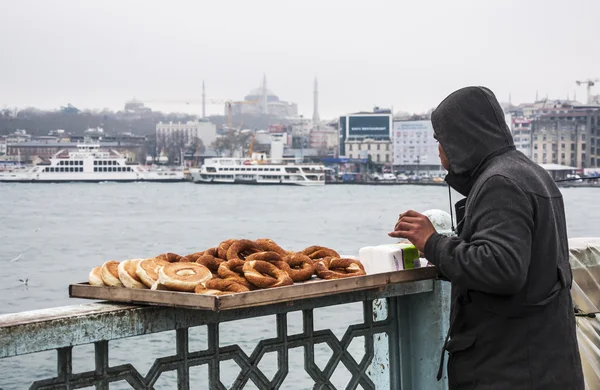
x=258 y=171
x=90 y=164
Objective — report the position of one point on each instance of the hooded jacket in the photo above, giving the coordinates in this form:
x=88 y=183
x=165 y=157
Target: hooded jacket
x=512 y=320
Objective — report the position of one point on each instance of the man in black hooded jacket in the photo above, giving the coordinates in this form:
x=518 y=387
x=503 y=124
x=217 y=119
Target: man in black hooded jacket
x=512 y=323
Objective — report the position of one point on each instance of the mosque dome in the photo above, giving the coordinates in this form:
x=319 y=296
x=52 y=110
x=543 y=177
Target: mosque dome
x=257 y=94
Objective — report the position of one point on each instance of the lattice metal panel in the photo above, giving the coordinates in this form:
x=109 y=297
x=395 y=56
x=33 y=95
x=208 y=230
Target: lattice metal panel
x=249 y=364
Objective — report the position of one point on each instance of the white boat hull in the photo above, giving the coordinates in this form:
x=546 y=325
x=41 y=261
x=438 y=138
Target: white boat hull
x=244 y=171
x=197 y=178
x=91 y=177
x=91 y=165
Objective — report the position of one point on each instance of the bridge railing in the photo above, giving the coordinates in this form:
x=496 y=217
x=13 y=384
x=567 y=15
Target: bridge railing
x=402 y=327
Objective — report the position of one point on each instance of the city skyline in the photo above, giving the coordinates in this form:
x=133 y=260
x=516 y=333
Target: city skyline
x=381 y=53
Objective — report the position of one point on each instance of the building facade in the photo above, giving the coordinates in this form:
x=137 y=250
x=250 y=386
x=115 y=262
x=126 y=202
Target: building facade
x=186 y=133
x=414 y=144
x=562 y=132
x=365 y=128
x=3 y=146
x=323 y=139
x=570 y=137
x=379 y=151
x=521 y=131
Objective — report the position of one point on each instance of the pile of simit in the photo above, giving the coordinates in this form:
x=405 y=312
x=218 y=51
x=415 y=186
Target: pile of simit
x=234 y=266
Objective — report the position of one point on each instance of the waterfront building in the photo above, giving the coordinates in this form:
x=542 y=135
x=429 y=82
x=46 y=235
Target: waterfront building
x=521 y=131
x=366 y=134
x=568 y=135
x=186 y=133
x=414 y=145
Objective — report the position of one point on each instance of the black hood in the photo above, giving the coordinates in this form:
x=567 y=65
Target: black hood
x=470 y=126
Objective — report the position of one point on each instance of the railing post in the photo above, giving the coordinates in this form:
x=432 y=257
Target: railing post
x=282 y=354
x=380 y=370
x=422 y=336
x=65 y=365
x=101 y=352
x=395 y=362
x=417 y=326
x=214 y=366
x=183 y=369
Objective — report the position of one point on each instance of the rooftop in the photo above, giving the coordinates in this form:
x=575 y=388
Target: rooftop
x=557 y=167
x=67 y=145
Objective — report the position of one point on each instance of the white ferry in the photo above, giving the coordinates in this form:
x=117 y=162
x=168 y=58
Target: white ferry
x=90 y=164
x=258 y=171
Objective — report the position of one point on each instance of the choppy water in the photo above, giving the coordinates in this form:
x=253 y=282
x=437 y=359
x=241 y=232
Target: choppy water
x=59 y=232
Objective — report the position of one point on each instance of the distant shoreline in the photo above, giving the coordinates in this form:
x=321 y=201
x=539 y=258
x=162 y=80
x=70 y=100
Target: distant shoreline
x=386 y=183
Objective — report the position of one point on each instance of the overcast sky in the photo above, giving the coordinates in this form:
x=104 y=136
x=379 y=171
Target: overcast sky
x=405 y=54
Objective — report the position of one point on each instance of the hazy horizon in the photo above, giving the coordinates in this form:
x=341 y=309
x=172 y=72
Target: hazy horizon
x=409 y=56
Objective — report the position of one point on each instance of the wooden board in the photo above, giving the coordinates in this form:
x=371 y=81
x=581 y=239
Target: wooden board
x=311 y=289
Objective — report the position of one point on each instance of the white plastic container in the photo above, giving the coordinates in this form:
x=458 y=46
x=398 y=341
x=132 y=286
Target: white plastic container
x=389 y=258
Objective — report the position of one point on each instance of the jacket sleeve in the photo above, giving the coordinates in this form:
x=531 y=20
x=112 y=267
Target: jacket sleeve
x=496 y=258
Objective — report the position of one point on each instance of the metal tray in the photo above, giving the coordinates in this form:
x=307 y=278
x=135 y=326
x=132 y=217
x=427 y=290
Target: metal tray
x=310 y=289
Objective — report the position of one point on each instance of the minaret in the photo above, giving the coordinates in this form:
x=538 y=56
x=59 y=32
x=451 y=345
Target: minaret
x=203 y=101
x=316 y=119
x=265 y=107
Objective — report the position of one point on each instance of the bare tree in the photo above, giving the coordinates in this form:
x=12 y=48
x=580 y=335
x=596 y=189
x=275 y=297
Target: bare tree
x=198 y=145
x=232 y=141
x=175 y=146
x=161 y=143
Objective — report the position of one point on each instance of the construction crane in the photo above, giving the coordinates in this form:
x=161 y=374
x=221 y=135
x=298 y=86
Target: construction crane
x=590 y=83
x=250 y=147
x=228 y=107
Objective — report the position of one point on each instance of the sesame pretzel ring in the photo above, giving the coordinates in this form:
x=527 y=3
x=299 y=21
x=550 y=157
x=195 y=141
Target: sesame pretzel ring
x=147 y=270
x=183 y=276
x=210 y=262
x=336 y=268
x=299 y=267
x=241 y=249
x=170 y=257
x=191 y=258
x=200 y=289
x=110 y=273
x=269 y=245
x=95 y=277
x=128 y=275
x=269 y=257
x=223 y=247
x=233 y=270
x=222 y=286
x=265 y=275
x=212 y=252
x=319 y=252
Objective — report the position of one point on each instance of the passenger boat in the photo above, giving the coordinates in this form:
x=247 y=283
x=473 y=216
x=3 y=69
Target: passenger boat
x=90 y=164
x=254 y=171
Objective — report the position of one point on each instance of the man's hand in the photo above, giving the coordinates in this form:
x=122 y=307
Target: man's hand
x=415 y=227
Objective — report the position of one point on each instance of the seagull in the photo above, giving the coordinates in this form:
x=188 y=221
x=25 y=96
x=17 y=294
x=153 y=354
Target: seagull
x=37 y=230
x=16 y=258
x=23 y=281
